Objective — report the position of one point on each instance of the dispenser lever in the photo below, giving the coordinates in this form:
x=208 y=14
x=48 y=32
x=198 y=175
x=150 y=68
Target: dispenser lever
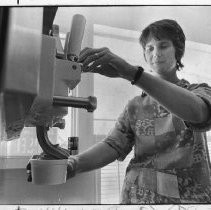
x=75 y=37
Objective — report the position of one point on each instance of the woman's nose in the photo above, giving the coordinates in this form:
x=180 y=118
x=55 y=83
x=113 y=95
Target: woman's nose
x=156 y=53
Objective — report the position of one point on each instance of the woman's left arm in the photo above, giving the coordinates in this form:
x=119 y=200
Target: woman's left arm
x=179 y=101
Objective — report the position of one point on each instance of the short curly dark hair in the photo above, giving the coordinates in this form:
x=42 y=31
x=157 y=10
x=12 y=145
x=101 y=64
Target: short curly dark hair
x=166 y=29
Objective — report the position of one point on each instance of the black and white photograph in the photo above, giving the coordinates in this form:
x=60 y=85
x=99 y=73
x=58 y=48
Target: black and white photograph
x=105 y=107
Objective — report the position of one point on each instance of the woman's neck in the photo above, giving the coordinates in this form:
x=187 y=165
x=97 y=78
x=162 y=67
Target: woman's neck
x=170 y=77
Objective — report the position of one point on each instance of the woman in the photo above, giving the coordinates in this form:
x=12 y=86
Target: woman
x=166 y=125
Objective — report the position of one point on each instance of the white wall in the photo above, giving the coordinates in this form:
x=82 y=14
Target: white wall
x=195 y=20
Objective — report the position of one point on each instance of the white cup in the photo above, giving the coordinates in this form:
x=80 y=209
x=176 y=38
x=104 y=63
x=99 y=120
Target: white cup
x=48 y=172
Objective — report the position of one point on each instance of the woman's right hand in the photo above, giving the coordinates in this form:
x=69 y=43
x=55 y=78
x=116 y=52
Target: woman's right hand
x=104 y=62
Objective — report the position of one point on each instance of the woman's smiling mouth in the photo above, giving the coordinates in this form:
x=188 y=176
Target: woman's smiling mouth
x=158 y=62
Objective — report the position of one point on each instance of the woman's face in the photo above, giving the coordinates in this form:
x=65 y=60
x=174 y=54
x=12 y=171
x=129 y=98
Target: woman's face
x=160 y=55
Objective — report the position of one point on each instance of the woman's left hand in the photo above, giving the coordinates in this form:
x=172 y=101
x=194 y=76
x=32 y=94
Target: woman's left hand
x=104 y=62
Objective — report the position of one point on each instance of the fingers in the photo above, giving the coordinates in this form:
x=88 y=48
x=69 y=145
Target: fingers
x=91 y=58
x=98 y=61
x=93 y=61
x=29 y=173
x=103 y=67
x=86 y=52
x=101 y=59
x=71 y=166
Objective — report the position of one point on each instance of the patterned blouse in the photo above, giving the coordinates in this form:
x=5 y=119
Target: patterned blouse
x=171 y=160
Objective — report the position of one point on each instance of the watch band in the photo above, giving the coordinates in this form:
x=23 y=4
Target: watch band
x=137 y=75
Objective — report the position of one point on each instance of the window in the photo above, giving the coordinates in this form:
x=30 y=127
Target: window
x=113 y=94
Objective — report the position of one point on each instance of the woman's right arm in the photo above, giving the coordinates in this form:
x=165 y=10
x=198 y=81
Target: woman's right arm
x=95 y=157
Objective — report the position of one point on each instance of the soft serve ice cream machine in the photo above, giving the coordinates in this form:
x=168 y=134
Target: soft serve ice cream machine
x=36 y=73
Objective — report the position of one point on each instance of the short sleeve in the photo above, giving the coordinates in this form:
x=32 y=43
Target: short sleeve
x=121 y=137
x=204 y=92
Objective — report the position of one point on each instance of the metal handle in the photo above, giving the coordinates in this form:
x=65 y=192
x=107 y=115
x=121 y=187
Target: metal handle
x=89 y=103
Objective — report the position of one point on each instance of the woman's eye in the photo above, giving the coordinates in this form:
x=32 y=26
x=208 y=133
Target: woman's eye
x=163 y=46
x=149 y=49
